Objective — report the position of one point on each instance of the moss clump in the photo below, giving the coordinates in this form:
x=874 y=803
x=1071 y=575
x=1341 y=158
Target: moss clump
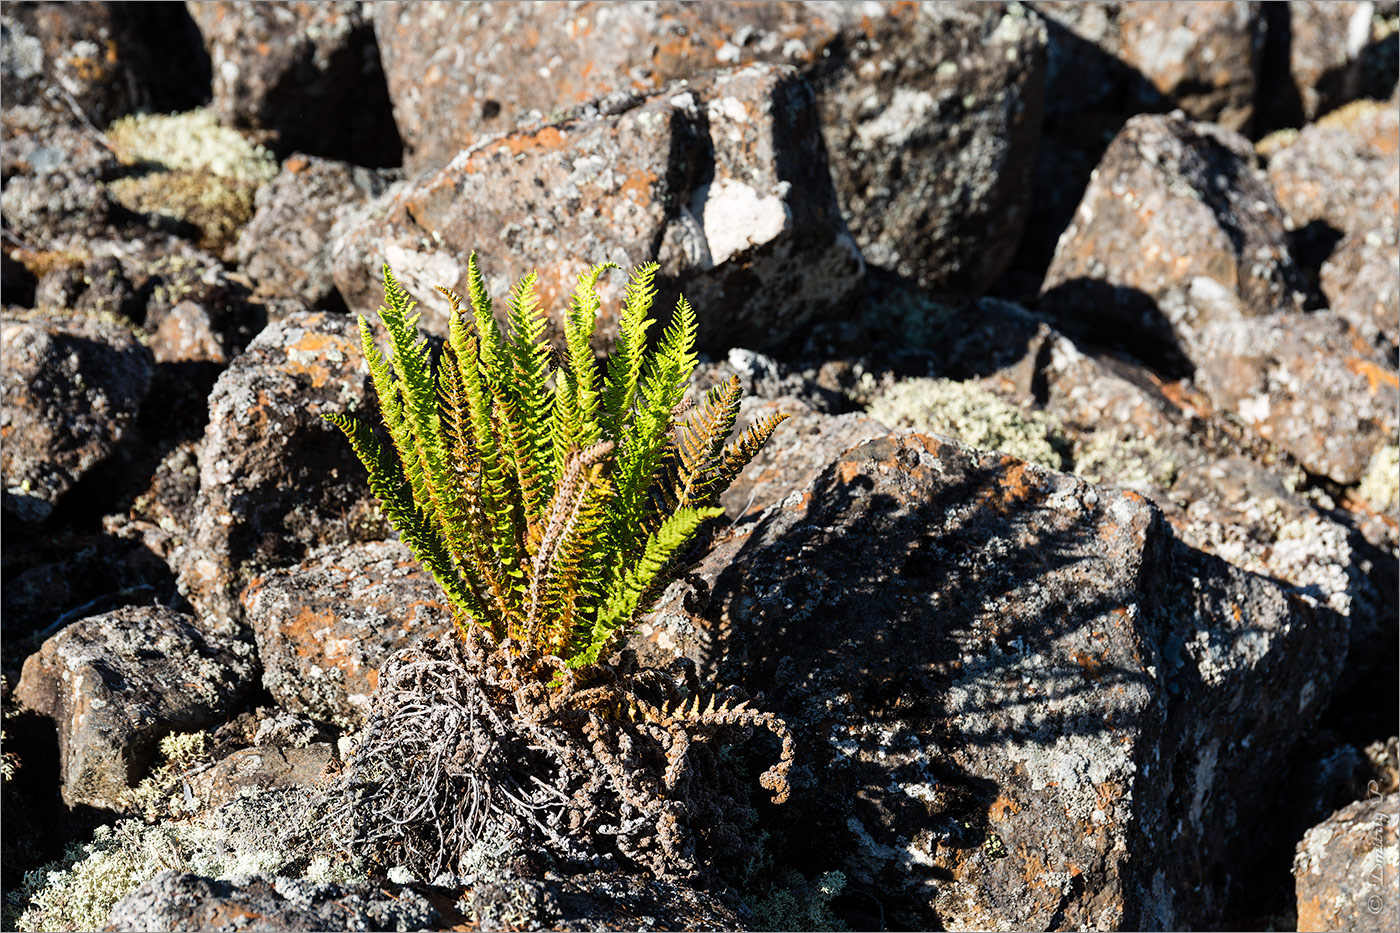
x=1381 y=485
x=193 y=171
x=974 y=416
x=907 y=318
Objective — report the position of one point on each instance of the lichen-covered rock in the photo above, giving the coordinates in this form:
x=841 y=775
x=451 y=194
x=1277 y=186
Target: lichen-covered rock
x=115 y=684
x=108 y=58
x=325 y=626
x=1124 y=58
x=286 y=247
x=182 y=901
x=1346 y=868
x=307 y=72
x=1171 y=201
x=1305 y=382
x=71 y=387
x=1324 y=46
x=1332 y=175
x=1018 y=701
x=1361 y=280
x=94 y=285
x=596 y=901
x=275 y=479
x=929 y=111
x=723 y=181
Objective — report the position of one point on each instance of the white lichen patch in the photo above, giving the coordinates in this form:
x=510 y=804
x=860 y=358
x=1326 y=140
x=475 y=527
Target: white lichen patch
x=1381 y=485
x=736 y=218
x=190 y=141
x=973 y=415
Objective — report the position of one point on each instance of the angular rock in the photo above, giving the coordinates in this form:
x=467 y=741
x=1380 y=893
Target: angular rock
x=1125 y=58
x=1325 y=42
x=286 y=247
x=722 y=181
x=1018 y=701
x=1346 y=867
x=276 y=480
x=324 y=626
x=1171 y=201
x=96 y=286
x=307 y=72
x=1333 y=176
x=175 y=900
x=71 y=387
x=115 y=684
x=1305 y=382
x=929 y=111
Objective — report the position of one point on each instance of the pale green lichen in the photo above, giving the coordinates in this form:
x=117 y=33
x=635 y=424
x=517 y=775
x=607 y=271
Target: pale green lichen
x=975 y=416
x=160 y=795
x=907 y=318
x=1380 y=487
x=800 y=904
x=1130 y=462
x=190 y=141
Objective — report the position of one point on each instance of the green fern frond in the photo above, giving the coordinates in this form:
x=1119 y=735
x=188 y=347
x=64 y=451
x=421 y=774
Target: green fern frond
x=537 y=496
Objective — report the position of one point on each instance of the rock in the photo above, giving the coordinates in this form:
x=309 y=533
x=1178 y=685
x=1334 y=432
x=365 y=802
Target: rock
x=175 y=900
x=798 y=450
x=1361 y=280
x=115 y=684
x=1346 y=866
x=275 y=479
x=1306 y=382
x=71 y=388
x=597 y=901
x=723 y=181
x=1126 y=58
x=929 y=111
x=260 y=768
x=1018 y=701
x=97 y=286
x=1322 y=44
x=286 y=247
x=1172 y=201
x=307 y=72
x=101 y=60
x=1332 y=176
x=325 y=626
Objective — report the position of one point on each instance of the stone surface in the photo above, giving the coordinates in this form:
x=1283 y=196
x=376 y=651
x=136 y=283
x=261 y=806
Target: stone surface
x=307 y=72
x=1325 y=46
x=324 y=626
x=1306 y=382
x=181 y=901
x=1123 y=58
x=71 y=388
x=1361 y=280
x=115 y=684
x=102 y=59
x=1170 y=202
x=286 y=248
x=1346 y=868
x=723 y=181
x=262 y=768
x=275 y=479
x=1018 y=701
x=929 y=111
x=1334 y=176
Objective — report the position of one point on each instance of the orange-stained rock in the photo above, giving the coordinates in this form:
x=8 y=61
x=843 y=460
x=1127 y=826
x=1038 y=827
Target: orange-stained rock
x=1347 y=868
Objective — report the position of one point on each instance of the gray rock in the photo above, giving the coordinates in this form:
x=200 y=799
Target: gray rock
x=71 y=387
x=181 y=901
x=1019 y=702
x=1306 y=382
x=1171 y=201
x=929 y=111
x=307 y=73
x=1333 y=175
x=115 y=684
x=723 y=181
x=1361 y=280
x=262 y=768
x=1326 y=42
x=325 y=626
x=286 y=247
x=1346 y=867
x=275 y=479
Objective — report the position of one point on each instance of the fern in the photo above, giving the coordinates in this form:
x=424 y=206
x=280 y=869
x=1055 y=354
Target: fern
x=549 y=500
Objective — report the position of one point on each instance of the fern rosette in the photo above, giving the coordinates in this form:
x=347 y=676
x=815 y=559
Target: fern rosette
x=549 y=495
